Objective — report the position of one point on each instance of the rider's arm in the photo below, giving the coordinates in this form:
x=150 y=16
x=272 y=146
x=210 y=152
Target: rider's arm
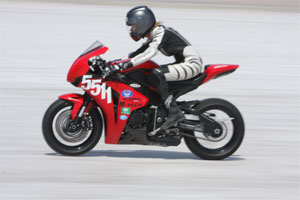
x=156 y=35
x=139 y=50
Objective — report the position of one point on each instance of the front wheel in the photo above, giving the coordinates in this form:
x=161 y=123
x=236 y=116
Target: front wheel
x=67 y=138
x=223 y=144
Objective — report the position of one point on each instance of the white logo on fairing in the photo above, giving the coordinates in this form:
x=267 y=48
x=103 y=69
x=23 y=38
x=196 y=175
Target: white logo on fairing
x=135 y=85
x=96 y=87
x=219 y=66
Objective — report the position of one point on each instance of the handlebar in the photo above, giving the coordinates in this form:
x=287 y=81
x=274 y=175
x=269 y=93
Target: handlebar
x=105 y=68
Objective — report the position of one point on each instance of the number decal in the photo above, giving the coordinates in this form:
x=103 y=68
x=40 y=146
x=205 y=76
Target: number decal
x=96 y=87
x=96 y=84
x=85 y=80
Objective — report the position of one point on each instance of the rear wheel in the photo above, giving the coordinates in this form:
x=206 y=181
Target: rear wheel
x=66 y=137
x=222 y=142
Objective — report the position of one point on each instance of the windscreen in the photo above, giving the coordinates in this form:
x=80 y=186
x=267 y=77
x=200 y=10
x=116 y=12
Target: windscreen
x=94 y=46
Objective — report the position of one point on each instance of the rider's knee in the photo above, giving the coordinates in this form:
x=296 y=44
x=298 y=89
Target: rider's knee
x=156 y=77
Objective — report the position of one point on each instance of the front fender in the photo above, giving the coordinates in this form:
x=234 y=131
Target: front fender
x=76 y=99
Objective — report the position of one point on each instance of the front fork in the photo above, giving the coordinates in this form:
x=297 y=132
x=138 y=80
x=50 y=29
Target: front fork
x=86 y=101
x=81 y=104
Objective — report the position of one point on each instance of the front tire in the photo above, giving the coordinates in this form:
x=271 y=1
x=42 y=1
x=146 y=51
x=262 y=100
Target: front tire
x=219 y=147
x=75 y=142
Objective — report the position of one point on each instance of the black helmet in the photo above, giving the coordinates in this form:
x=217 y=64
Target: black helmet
x=140 y=21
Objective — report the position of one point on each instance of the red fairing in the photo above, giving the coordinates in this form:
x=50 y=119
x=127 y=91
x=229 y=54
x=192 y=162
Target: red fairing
x=129 y=100
x=80 y=67
x=215 y=70
x=77 y=101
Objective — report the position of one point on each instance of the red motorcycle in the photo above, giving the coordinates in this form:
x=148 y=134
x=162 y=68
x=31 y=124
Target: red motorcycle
x=125 y=107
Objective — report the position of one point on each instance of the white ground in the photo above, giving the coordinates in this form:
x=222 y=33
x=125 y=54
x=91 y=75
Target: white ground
x=39 y=42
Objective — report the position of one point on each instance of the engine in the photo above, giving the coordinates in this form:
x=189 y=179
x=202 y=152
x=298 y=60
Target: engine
x=142 y=123
x=144 y=117
x=138 y=119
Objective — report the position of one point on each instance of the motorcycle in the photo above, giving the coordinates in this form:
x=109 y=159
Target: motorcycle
x=127 y=110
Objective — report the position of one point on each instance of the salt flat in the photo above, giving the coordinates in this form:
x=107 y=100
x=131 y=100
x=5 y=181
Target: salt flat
x=39 y=42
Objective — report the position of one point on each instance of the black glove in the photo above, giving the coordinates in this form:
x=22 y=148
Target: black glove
x=114 y=66
x=120 y=65
x=125 y=65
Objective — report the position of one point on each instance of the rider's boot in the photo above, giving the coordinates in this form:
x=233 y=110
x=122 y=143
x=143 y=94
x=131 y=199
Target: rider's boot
x=175 y=114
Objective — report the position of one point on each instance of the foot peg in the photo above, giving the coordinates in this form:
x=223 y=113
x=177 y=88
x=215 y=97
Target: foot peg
x=172 y=131
x=152 y=133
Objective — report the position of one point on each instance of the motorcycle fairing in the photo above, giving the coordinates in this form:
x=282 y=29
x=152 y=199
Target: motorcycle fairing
x=76 y=99
x=129 y=100
x=217 y=70
x=80 y=67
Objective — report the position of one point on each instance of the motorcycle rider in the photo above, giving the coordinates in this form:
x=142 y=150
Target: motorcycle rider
x=142 y=23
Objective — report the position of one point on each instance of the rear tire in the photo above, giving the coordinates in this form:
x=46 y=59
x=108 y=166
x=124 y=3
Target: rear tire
x=234 y=142
x=70 y=143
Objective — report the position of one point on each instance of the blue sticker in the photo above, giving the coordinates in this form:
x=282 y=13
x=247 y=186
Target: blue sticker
x=123 y=117
x=127 y=93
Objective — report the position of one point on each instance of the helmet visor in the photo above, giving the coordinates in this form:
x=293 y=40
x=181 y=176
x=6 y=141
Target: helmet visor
x=131 y=28
x=132 y=32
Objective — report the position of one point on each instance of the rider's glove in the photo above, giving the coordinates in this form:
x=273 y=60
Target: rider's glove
x=115 y=66
x=125 y=65
x=120 y=64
